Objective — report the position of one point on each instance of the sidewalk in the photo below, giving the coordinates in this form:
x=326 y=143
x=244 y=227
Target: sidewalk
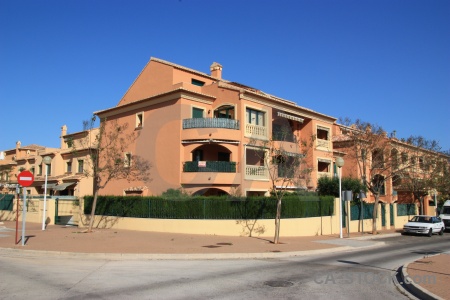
x=128 y=244
x=72 y=239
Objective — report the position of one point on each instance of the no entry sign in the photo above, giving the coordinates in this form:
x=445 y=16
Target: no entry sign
x=25 y=178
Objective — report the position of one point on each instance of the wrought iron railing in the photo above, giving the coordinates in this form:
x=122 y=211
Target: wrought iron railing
x=210 y=166
x=210 y=123
x=283 y=136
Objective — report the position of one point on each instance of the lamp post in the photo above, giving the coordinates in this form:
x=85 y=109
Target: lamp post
x=340 y=164
x=46 y=160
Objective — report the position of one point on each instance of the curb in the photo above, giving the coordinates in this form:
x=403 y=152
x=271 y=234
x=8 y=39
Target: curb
x=374 y=237
x=178 y=256
x=409 y=287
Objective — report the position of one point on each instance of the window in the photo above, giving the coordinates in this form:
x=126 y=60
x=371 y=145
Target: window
x=127 y=160
x=255 y=117
x=32 y=170
x=404 y=157
x=40 y=170
x=323 y=166
x=49 y=169
x=80 y=166
x=139 y=120
x=377 y=159
x=378 y=182
x=322 y=133
x=394 y=158
x=197 y=155
x=197 y=82
x=223 y=156
x=225 y=112
x=197 y=112
x=69 y=167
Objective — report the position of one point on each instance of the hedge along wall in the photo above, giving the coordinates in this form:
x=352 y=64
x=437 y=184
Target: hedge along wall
x=213 y=208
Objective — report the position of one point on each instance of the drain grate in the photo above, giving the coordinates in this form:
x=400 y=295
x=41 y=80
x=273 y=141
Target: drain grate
x=279 y=283
x=225 y=244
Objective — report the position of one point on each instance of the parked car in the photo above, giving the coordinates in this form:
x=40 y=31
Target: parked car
x=424 y=225
x=445 y=214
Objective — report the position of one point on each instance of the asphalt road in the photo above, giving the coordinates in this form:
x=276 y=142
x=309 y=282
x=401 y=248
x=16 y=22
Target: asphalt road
x=365 y=274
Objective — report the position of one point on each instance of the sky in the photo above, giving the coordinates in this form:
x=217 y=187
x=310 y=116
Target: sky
x=386 y=62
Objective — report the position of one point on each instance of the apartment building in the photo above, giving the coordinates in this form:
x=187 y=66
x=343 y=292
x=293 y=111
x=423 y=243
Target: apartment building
x=64 y=167
x=197 y=130
x=405 y=169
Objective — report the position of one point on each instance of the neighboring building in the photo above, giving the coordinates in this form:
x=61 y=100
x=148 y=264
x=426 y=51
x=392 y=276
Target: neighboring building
x=196 y=131
x=405 y=167
x=65 y=173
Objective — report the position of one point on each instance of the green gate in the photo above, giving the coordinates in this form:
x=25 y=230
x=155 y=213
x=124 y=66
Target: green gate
x=383 y=215
x=391 y=213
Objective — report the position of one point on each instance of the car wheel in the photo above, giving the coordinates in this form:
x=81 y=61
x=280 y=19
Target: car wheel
x=430 y=232
x=442 y=231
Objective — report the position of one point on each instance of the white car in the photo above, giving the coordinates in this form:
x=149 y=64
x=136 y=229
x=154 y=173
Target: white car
x=424 y=225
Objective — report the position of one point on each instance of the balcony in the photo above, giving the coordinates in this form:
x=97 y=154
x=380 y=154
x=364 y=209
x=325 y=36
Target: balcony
x=256 y=172
x=324 y=174
x=210 y=123
x=255 y=131
x=324 y=144
x=283 y=136
x=210 y=166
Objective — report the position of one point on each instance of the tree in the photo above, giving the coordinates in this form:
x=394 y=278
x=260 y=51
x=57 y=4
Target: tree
x=419 y=174
x=327 y=186
x=369 y=148
x=106 y=151
x=284 y=157
x=380 y=159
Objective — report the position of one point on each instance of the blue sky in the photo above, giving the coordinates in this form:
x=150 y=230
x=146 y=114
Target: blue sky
x=385 y=62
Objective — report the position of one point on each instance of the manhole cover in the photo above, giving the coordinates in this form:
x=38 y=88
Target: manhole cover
x=279 y=283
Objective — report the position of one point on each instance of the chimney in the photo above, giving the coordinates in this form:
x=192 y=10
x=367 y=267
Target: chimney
x=18 y=145
x=63 y=133
x=216 y=70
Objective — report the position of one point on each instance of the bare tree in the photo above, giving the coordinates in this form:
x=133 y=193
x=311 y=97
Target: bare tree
x=368 y=146
x=108 y=158
x=284 y=157
x=381 y=159
x=420 y=157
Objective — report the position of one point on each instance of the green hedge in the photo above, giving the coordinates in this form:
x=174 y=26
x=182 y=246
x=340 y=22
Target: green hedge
x=216 y=208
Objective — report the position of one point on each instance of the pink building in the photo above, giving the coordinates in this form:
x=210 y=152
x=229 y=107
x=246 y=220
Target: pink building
x=198 y=132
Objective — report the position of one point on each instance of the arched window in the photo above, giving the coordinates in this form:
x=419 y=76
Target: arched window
x=378 y=183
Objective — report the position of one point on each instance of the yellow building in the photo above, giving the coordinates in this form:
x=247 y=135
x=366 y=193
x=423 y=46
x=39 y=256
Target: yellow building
x=65 y=168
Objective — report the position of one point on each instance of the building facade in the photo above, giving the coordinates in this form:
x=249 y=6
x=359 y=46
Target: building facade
x=198 y=131
x=65 y=171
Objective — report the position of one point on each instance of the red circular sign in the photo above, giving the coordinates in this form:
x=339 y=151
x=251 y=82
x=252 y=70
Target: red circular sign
x=25 y=178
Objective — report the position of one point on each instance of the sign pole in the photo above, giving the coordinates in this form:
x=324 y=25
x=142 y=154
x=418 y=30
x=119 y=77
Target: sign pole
x=24 y=211
x=17 y=212
x=25 y=178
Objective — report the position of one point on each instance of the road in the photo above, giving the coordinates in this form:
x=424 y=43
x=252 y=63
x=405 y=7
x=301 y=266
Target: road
x=365 y=274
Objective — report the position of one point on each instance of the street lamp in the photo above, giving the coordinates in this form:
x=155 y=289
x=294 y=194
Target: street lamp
x=46 y=160
x=340 y=164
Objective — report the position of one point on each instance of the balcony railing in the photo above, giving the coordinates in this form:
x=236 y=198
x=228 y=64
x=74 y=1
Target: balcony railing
x=255 y=130
x=323 y=143
x=256 y=172
x=210 y=166
x=210 y=123
x=283 y=136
